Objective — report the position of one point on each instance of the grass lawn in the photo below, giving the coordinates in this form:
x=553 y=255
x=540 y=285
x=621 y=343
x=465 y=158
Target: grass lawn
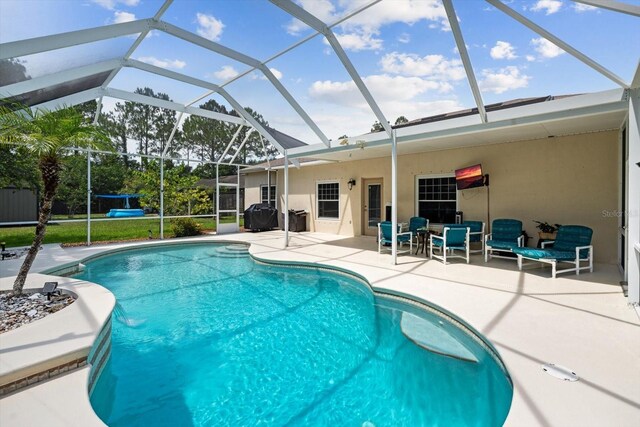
x=76 y=232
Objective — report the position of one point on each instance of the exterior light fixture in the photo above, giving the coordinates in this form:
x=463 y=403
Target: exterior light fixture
x=49 y=289
x=351 y=183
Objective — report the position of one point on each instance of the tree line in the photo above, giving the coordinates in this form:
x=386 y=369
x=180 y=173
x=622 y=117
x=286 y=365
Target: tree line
x=144 y=130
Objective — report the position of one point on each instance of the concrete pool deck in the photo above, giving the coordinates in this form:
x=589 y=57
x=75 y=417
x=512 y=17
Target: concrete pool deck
x=581 y=322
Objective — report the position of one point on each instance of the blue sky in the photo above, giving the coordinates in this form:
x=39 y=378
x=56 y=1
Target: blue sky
x=403 y=49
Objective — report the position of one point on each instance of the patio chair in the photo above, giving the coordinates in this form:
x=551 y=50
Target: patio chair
x=476 y=234
x=385 y=237
x=454 y=237
x=572 y=245
x=417 y=223
x=505 y=235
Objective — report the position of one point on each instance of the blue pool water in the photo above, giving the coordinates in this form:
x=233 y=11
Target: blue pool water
x=205 y=338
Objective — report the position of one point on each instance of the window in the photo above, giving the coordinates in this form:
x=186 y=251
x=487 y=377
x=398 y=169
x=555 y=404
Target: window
x=264 y=195
x=328 y=195
x=437 y=199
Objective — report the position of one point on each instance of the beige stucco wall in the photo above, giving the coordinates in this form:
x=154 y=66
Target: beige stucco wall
x=565 y=180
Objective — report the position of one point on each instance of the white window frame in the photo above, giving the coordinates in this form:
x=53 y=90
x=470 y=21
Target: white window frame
x=417 y=191
x=318 y=183
x=273 y=195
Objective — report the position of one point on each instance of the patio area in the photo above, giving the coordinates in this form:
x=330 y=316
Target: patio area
x=581 y=322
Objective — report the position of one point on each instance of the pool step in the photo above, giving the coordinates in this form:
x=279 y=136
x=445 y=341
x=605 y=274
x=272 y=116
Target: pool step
x=237 y=248
x=232 y=251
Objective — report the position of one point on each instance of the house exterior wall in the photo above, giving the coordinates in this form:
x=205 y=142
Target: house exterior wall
x=564 y=180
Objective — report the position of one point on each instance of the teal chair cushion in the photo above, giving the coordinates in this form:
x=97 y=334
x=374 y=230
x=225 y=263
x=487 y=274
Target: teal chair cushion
x=474 y=227
x=456 y=235
x=569 y=237
x=387 y=239
x=506 y=230
x=439 y=242
x=417 y=222
x=545 y=253
x=499 y=244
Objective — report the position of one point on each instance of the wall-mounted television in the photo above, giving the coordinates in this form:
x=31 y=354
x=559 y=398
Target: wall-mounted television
x=469 y=177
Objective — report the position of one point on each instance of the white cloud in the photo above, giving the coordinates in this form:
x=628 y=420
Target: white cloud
x=503 y=50
x=545 y=48
x=408 y=12
x=431 y=66
x=257 y=75
x=384 y=88
x=359 y=32
x=530 y=58
x=163 y=63
x=111 y=4
x=505 y=79
x=548 y=6
x=357 y=41
x=324 y=10
x=404 y=38
x=581 y=7
x=120 y=17
x=209 y=27
x=226 y=72
x=277 y=73
x=353 y=122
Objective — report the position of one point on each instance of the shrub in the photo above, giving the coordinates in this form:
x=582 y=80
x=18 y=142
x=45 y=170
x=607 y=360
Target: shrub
x=183 y=227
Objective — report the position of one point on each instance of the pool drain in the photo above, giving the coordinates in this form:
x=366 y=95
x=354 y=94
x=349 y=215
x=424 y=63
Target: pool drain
x=560 y=372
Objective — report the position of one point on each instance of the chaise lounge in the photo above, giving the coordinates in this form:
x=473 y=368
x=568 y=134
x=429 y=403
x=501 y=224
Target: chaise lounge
x=572 y=245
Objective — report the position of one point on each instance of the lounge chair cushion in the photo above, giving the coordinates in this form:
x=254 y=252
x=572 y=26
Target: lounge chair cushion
x=401 y=239
x=506 y=230
x=440 y=242
x=571 y=236
x=545 y=253
x=499 y=244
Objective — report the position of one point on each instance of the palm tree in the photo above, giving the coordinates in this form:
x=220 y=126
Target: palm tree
x=46 y=134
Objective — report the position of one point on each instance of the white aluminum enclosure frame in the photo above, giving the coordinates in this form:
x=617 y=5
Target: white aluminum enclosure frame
x=624 y=99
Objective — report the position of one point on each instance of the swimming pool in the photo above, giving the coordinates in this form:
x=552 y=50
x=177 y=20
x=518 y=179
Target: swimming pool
x=204 y=335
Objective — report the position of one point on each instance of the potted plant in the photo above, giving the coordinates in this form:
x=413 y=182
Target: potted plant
x=547 y=231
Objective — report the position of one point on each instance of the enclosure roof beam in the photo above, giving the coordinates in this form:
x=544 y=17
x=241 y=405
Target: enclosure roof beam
x=139 y=40
x=464 y=56
x=72 y=38
x=214 y=89
x=53 y=79
x=309 y=19
x=304 y=40
x=73 y=99
x=558 y=42
x=290 y=48
x=580 y=106
x=635 y=82
x=240 y=57
x=170 y=105
x=147 y=156
x=244 y=141
x=616 y=6
x=226 y=150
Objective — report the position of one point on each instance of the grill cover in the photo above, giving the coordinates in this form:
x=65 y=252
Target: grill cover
x=260 y=216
